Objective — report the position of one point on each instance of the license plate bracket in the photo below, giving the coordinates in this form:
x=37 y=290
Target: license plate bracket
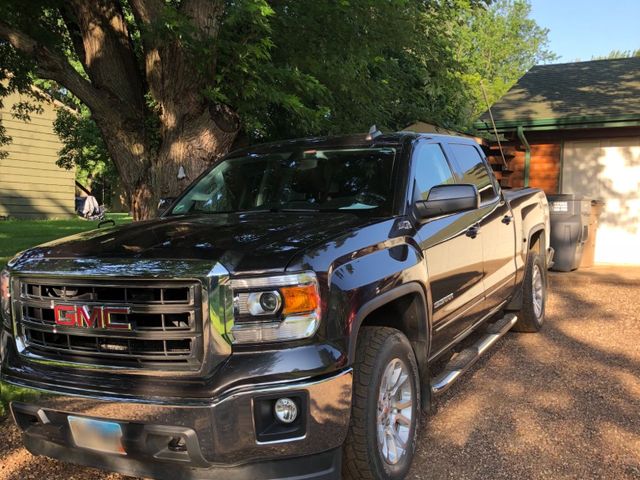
x=97 y=435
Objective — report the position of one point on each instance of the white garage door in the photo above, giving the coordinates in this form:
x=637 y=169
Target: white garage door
x=609 y=170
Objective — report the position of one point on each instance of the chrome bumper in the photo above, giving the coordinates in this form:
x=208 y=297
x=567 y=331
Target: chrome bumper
x=221 y=432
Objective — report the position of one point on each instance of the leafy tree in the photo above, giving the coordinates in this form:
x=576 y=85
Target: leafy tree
x=613 y=54
x=83 y=147
x=498 y=44
x=387 y=63
x=160 y=84
x=174 y=83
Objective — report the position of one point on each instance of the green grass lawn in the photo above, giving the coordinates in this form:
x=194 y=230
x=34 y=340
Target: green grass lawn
x=18 y=235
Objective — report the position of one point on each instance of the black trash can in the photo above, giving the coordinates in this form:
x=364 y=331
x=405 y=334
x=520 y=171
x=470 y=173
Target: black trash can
x=569 y=229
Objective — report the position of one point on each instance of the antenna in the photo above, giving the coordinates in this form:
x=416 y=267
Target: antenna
x=495 y=130
x=373 y=133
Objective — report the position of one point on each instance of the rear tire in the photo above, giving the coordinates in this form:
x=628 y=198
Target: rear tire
x=385 y=411
x=534 y=295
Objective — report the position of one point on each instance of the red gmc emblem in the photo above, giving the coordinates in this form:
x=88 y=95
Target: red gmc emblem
x=84 y=316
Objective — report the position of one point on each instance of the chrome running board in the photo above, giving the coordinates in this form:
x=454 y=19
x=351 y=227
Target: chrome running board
x=465 y=359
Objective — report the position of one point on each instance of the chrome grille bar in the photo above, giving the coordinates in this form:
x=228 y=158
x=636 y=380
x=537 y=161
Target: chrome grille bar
x=164 y=317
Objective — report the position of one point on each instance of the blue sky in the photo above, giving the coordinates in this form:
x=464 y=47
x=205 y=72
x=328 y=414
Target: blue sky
x=580 y=29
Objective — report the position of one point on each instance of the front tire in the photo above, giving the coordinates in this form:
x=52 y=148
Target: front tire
x=382 y=434
x=534 y=298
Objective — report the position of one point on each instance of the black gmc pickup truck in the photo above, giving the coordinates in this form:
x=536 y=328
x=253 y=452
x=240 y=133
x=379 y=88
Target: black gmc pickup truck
x=291 y=315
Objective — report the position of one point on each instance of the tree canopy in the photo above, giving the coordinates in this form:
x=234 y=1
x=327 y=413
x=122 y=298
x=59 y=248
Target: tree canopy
x=497 y=45
x=613 y=54
x=160 y=84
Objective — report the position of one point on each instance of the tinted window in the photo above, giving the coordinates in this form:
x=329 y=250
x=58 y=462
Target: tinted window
x=473 y=170
x=431 y=169
x=356 y=179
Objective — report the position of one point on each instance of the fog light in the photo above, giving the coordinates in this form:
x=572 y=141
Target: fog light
x=286 y=410
x=177 y=444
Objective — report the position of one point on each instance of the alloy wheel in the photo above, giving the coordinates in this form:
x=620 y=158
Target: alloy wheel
x=395 y=411
x=537 y=285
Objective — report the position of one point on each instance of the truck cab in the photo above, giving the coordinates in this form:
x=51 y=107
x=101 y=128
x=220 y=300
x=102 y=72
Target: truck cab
x=292 y=314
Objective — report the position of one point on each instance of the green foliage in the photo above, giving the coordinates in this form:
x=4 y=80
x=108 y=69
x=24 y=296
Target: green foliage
x=83 y=147
x=323 y=66
x=248 y=79
x=15 y=77
x=618 y=54
x=299 y=67
x=379 y=62
x=498 y=44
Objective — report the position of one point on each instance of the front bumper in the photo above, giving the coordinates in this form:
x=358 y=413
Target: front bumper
x=220 y=435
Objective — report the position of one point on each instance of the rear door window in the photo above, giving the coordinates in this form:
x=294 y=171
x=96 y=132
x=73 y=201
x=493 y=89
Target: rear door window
x=472 y=169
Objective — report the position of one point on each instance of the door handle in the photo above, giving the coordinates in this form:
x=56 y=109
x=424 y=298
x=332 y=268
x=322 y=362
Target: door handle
x=472 y=232
x=507 y=219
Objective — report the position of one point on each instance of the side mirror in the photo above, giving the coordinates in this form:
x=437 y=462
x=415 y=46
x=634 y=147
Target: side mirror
x=164 y=204
x=448 y=199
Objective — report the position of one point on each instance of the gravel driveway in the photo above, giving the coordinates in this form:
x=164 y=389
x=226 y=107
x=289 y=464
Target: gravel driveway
x=561 y=404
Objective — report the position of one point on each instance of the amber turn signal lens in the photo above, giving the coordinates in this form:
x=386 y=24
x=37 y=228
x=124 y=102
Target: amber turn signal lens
x=302 y=299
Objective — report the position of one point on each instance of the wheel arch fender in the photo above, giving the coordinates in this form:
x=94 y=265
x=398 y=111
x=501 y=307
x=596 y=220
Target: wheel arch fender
x=387 y=298
x=538 y=229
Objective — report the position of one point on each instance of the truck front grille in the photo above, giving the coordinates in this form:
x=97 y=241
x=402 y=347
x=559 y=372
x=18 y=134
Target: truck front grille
x=163 y=322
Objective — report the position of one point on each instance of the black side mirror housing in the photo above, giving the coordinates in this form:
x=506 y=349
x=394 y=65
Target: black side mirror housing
x=447 y=199
x=164 y=204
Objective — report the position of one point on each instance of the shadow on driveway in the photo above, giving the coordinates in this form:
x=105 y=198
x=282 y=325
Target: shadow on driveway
x=564 y=403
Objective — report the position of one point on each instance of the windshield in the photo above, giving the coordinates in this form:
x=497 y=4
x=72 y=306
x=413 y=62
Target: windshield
x=319 y=180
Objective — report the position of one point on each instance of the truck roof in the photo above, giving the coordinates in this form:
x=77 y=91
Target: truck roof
x=358 y=140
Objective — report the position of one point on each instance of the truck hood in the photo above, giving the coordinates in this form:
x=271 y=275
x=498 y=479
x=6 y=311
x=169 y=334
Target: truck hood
x=243 y=243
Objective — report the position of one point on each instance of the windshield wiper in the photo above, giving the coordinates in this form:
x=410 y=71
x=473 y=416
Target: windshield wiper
x=276 y=210
x=257 y=210
x=295 y=210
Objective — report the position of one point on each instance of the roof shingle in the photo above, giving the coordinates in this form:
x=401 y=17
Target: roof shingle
x=598 y=88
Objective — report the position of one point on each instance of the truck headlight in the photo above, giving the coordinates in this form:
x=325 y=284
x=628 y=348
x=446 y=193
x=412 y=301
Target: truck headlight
x=275 y=309
x=5 y=296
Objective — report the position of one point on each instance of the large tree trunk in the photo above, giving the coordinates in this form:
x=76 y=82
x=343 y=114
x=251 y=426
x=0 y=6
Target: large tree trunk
x=198 y=139
x=194 y=143
x=148 y=174
x=126 y=99
x=194 y=131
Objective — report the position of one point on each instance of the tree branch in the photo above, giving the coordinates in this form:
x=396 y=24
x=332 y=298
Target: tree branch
x=146 y=11
x=74 y=33
x=109 y=56
x=53 y=66
x=205 y=15
x=19 y=40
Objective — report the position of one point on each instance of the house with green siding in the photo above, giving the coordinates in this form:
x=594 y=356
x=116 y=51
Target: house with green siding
x=31 y=184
